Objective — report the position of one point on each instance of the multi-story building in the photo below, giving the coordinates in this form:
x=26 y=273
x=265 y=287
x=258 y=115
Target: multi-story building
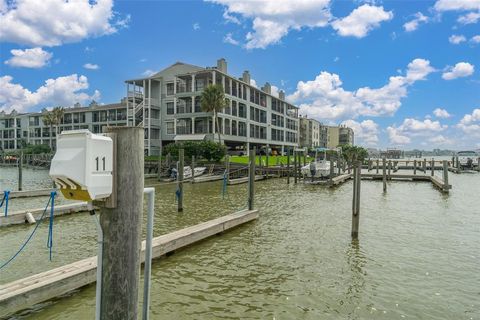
x=167 y=105
x=339 y=136
x=17 y=130
x=171 y=97
x=312 y=133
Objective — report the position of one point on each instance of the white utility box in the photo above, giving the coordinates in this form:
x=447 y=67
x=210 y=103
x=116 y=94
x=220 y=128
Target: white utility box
x=82 y=165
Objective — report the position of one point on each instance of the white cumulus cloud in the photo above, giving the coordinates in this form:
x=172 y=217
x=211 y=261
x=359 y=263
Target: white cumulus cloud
x=229 y=39
x=361 y=21
x=325 y=98
x=413 y=24
x=469 y=18
x=29 y=58
x=470 y=123
x=412 y=128
x=397 y=137
x=91 y=66
x=441 y=113
x=366 y=132
x=273 y=19
x=475 y=39
x=456 y=39
x=64 y=91
x=457 y=5
x=460 y=70
x=54 y=22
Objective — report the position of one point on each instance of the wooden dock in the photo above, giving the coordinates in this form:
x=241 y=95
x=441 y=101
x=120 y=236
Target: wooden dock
x=24 y=293
x=19 y=217
x=30 y=193
x=436 y=181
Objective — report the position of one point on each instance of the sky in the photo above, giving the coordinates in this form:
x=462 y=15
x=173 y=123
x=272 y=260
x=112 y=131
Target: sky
x=402 y=74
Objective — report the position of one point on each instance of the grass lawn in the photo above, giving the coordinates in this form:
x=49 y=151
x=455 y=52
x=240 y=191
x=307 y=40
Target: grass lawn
x=272 y=160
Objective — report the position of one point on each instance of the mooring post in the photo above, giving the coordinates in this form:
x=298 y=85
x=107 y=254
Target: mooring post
x=356 y=199
x=122 y=228
x=192 y=166
x=453 y=161
x=339 y=167
x=384 y=177
x=445 y=175
x=369 y=164
x=415 y=167
x=288 y=166
x=425 y=165
x=432 y=165
x=389 y=169
x=295 y=164
x=20 y=171
x=181 y=164
x=251 y=179
x=159 y=170
x=332 y=173
x=377 y=165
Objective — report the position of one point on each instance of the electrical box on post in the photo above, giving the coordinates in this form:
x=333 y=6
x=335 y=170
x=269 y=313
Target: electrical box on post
x=82 y=165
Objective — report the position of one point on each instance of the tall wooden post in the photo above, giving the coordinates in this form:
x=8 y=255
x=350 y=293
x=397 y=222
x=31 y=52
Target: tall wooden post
x=389 y=169
x=251 y=179
x=425 y=165
x=288 y=166
x=122 y=228
x=453 y=161
x=457 y=162
x=227 y=167
x=356 y=199
x=339 y=167
x=445 y=175
x=295 y=164
x=384 y=177
x=432 y=165
x=369 y=164
x=20 y=171
x=332 y=172
x=159 y=171
x=192 y=166
x=377 y=165
x=304 y=158
x=415 y=167
x=180 y=180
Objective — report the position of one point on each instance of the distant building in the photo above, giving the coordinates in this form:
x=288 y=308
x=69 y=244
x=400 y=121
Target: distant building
x=339 y=136
x=312 y=133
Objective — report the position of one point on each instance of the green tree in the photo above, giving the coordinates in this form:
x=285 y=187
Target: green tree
x=353 y=153
x=213 y=100
x=48 y=119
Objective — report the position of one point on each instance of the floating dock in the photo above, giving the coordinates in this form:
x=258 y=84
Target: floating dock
x=30 y=193
x=20 y=217
x=24 y=293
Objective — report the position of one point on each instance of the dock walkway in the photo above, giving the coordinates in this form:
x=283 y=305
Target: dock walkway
x=24 y=293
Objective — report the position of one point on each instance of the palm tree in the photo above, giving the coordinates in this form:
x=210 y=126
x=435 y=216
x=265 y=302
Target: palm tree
x=213 y=100
x=58 y=113
x=48 y=119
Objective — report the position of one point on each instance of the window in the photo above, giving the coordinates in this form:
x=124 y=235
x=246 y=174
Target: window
x=227 y=127
x=170 y=89
x=277 y=135
x=242 y=110
x=234 y=128
x=170 y=108
x=170 y=127
x=234 y=108
x=242 y=129
x=121 y=114
x=112 y=115
x=277 y=120
x=227 y=109
x=184 y=126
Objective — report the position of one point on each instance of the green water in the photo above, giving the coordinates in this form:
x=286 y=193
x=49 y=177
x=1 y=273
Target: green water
x=417 y=256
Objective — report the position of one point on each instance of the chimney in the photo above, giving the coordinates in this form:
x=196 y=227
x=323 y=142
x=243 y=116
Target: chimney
x=222 y=65
x=246 y=77
x=281 y=94
x=267 y=88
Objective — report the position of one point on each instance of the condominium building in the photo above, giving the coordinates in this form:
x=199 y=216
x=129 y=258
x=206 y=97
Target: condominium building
x=17 y=130
x=167 y=105
x=339 y=135
x=312 y=133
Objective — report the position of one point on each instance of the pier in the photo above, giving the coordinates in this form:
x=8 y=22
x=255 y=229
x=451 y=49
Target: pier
x=24 y=293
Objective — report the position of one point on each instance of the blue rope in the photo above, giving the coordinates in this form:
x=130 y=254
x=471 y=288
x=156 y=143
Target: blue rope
x=178 y=193
x=6 y=195
x=52 y=196
x=50 y=225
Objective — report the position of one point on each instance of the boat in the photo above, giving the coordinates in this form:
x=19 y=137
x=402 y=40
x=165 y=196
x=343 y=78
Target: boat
x=320 y=167
x=466 y=159
x=187 y=172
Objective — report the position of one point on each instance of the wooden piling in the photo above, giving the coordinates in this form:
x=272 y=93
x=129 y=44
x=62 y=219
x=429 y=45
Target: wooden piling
x=356 y=199
x=432 y=165
x=389 y=169
x=295 y=165
x=384 y=177
x=414 y=166
x=251 y=179
x=180 y=180
x=20 y=171
x=332 y=173
x=192 y=166
x=122 y=228
x=425 y=165
x=159 y=170
x=369 y=165
x=288 y=167
x=445 y=175
x=377 y=165
x=457 y=162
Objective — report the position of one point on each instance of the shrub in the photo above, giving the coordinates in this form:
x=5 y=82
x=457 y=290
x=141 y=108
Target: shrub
x=209 y=150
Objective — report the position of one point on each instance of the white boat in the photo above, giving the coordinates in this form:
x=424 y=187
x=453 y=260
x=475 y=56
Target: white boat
x=466 y=159
x=319 y=167
x=198 y=171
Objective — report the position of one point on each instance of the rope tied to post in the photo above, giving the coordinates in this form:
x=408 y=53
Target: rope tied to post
x=51 y=200
x=50 y=224
x=6 y=195
x=224 y=185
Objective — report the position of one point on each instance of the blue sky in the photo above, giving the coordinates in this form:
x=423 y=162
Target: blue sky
x=401 y=73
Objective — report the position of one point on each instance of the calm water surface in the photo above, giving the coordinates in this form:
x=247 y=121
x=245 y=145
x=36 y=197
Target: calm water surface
x=417 y=256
